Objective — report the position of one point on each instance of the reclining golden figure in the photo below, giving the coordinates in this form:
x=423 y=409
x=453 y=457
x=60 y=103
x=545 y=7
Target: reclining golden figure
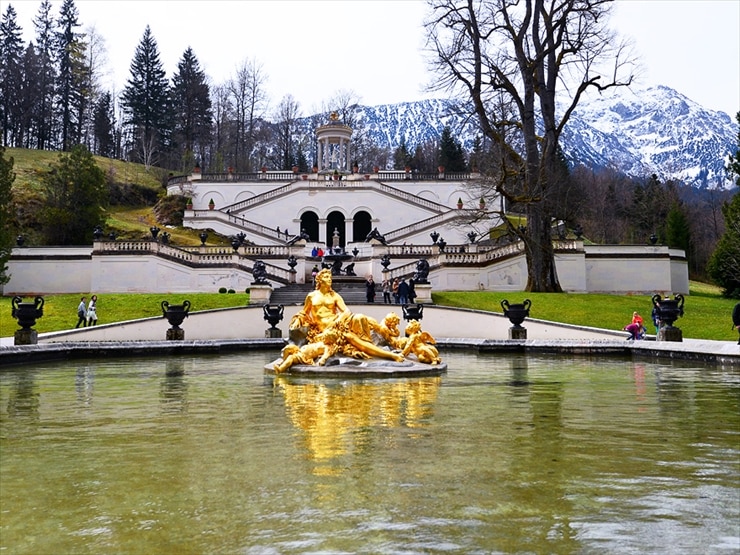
x=324 y=310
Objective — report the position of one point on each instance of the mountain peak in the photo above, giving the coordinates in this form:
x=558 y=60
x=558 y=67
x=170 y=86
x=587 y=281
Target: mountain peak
x=640 y=131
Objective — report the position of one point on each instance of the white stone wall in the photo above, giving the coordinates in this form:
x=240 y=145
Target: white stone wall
x=598 y=269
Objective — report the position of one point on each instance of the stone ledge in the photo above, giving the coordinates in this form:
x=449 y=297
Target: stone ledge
x=711 y=352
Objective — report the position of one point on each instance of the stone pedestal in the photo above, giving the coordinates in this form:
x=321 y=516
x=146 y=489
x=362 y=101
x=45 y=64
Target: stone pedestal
x=423 y=293
x=175 y=334
x=272 y=333
x=260 y=294
x=670 y=334
x=26 y=337
x=517 y=333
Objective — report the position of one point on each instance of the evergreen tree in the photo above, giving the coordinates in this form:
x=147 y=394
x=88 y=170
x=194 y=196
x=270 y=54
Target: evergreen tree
x=103 y=126
x=146 y=102
x=649 y=210
x=401 y=156
x=476 y=156
x=6 y=213
x=75 y=198
x=301 y=160
x=43 y=108
x=11 y=77
x=677 y=229
x=28 y=95
x=724 y=264
x=72 y=77
x=451 y=154
x=191 y=108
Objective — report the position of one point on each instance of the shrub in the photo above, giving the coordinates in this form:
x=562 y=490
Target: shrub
x=231 y=291
x=222 y=289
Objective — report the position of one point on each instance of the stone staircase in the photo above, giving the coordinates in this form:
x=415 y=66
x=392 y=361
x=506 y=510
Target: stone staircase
x=352 y=290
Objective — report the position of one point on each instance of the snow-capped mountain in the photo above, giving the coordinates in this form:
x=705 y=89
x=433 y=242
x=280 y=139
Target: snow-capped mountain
x=637 y=131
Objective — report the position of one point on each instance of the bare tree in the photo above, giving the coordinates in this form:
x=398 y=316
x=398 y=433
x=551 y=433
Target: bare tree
x=248 y=100
x=539 y=57
x=286 y=116
x=95 y=58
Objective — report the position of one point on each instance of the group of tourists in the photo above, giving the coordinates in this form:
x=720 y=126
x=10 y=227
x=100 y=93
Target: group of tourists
x=87 y=313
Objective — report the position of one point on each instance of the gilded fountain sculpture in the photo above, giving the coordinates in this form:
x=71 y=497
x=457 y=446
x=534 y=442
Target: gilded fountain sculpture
x=326 y=333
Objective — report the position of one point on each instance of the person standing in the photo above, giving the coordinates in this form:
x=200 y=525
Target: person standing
x=386 y=285
x=403 y=292
x=736 y=319
x=81 y=313
x=370 y=289
x=412 y=291
x=655 y=315
x=394 y=289
x=92 y=316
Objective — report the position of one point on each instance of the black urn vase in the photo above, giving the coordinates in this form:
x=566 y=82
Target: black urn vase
x=175 y=313
x=273 y=314
x=669 y=310
x=413 y=312
x=516 y=312
x=27 y=313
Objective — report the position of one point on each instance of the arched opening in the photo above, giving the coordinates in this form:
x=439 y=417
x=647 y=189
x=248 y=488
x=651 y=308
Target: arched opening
x=361 y=226
x=335 y=220
x=310 y=224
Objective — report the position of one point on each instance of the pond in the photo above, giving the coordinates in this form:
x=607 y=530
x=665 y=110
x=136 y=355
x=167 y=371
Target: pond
x=502 y=454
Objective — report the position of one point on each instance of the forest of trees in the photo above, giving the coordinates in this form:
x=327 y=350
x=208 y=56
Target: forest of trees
x=51 y=98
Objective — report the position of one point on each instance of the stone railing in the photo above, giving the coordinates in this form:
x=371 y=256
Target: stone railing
x=395 y=175
x=207 y=256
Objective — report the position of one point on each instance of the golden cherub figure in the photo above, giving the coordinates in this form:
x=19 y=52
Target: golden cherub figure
x=421 y=344
x=325 y=346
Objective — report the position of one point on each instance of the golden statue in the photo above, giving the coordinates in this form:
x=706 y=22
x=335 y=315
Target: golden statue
x=325 y=327
x=324 y=310
x=308 y=353
x=421 y=344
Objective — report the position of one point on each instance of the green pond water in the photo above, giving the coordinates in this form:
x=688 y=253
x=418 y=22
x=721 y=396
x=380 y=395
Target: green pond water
x=502 y=454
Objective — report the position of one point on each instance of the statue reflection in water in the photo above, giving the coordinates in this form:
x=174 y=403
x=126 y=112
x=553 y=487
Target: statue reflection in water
x=325 y=327
x=337 y=419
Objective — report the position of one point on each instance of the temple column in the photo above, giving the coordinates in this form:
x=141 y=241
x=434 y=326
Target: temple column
x=347 y=231
x=322 y=231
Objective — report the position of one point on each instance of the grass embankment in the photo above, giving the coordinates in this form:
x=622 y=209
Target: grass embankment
x=125 y=217
x=707 y=314
x=31 y=165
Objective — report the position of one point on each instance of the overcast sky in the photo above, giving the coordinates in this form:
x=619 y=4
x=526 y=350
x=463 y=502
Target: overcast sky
x=313 y=48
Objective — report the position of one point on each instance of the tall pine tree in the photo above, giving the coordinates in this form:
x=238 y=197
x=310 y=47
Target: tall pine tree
x=11 y=77
x=103 y=125
x=191 y=108
x=146 y=102
x=451 y=154
x=43 y=122
x=72 y=74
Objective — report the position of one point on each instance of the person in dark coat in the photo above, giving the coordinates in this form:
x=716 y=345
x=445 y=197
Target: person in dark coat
x=370 y=289
x=412 y=291
x=736 y=319
x=403 y=292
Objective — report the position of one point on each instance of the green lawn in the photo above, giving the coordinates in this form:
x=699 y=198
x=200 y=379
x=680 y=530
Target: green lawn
x=60 y=311
x=707 y=314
